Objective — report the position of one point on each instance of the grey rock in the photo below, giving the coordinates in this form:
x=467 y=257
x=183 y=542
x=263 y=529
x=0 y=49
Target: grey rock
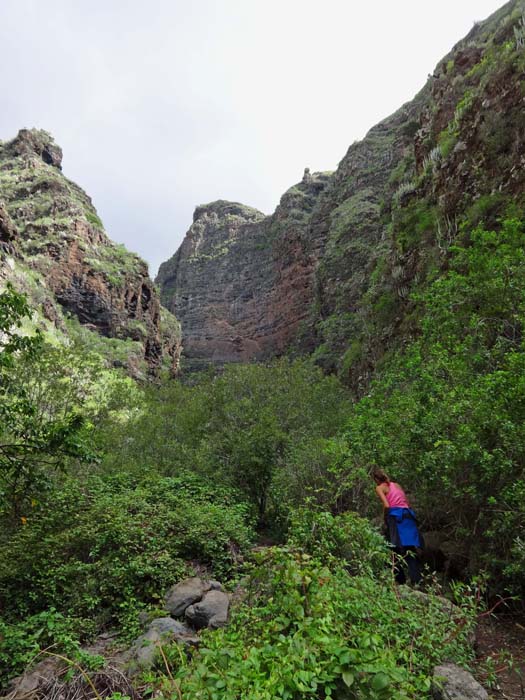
x=162 y=630
x=446 y=605
x=144 y=618
x=214 y=585
x=39 y=143
x=454 y=683
x=167 y=625
x=183 y=594
x=26 y=685
x=211 y=611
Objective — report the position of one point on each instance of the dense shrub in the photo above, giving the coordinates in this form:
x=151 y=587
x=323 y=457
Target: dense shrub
x=100 y=548
x=446 y=417
x=30 y=640
x=346 y=538
x=239 y=427
x=42 y=420
x=306 y=630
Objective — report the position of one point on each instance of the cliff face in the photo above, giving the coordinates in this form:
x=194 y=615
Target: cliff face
x=332 y=271
x=241 y=281
x=55 y=249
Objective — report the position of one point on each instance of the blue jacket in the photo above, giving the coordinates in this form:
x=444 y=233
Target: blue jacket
x=402 y=528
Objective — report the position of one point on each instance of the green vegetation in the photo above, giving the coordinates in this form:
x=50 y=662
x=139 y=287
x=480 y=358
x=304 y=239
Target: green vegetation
x=351 y=213
x=447 y=140
x=241 y=428
x=42 y=421
x=115 y=262
x=447 y=416
x=308 y=629
x=115 y=491
x=112 y=490
x=97 y=549
x=94 y=219
x=412 y=223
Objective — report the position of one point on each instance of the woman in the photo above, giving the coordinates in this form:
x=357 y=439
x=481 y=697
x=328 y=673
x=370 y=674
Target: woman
x=401 y=524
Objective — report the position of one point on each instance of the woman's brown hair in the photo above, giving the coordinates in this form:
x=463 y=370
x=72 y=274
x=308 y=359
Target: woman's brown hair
x=380 y=477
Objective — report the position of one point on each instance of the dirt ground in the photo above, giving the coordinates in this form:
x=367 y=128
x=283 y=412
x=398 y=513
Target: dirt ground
x=498 y=638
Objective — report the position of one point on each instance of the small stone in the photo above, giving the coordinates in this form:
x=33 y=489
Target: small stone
x=451 y=682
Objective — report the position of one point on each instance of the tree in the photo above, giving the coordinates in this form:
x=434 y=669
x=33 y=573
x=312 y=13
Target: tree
x=42 y=422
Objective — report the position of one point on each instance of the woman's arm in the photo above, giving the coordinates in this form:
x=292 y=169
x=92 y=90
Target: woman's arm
x=380 y=490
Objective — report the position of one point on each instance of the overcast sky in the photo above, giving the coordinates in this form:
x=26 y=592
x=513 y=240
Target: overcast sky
x=162 y=105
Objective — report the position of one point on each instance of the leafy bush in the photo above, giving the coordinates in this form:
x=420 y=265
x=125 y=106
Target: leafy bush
x=309 y=631
x=446 y=417
x=30 y=640
x=97 y=548
x=42 y=418
x=348 y=538
x=237 y=428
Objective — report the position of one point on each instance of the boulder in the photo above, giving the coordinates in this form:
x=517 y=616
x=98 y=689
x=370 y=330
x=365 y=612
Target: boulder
x=211 y=611
x=426 y=600
x=27 y=685
x=183 y=594
x=451 y=682
x=162 y=630
x=167 y=625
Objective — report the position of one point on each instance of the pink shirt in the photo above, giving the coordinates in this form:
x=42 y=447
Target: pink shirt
x=396 y=496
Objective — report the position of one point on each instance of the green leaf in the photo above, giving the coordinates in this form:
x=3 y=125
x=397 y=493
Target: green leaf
x=348 y=678
x=380 y=681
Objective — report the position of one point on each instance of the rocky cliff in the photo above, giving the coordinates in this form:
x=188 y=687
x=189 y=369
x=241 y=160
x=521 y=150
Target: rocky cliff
x=242 y=281
x=333 y=269
x=55 y=249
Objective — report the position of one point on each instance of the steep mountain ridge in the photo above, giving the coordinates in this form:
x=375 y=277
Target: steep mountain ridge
x=54 y=248
x=378 y=227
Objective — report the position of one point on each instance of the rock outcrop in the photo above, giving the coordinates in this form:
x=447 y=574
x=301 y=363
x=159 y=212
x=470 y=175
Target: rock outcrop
x=162 y=630
x=332 y=270
x=67 y=265
x=241 y=282
x=183 y=594
x=201 y=603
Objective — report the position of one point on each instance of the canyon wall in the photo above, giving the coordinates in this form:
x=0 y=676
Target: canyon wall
x=54 y=248
x=332 y=272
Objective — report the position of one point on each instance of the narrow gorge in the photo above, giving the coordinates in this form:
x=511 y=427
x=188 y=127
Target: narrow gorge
x=206 y=481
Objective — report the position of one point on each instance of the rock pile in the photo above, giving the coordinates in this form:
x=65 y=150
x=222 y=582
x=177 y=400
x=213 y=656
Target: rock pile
x=200 y=603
